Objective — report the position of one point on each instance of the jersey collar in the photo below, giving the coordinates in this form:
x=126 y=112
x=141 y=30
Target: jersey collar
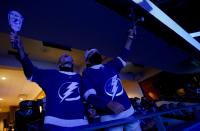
x=68 y=73
x=97 y=66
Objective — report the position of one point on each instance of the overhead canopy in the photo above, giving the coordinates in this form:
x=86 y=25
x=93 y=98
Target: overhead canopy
x=84 y=24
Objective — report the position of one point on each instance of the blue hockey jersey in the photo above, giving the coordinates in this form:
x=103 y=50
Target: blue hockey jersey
x=102 y=84
x=63 y=102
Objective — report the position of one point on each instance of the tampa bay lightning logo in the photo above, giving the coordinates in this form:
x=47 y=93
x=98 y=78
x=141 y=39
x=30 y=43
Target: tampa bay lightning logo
x=113 y=87
x=68 y=91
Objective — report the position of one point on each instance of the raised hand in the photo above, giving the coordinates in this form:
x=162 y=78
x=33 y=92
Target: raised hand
x=17 y=44
x=15 y=40
x=132 y=32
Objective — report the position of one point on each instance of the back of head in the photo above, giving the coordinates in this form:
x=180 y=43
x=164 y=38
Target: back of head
x=65 y=62
x=93 y=57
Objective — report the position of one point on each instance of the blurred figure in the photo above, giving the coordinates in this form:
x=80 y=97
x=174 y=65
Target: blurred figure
x=136 y=102
x=149 y=105
x=28 y=112
x=175 y=113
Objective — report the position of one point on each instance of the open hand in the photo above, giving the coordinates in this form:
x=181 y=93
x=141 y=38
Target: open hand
x=132 y=32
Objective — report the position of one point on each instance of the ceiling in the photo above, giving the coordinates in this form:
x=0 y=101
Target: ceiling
x=103 y=24
x=14 y=88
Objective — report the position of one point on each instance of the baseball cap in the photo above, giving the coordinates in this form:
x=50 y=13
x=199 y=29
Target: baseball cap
x=65 y=60
x=90 y=52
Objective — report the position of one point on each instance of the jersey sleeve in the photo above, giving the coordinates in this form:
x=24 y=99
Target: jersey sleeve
x=90 y=94
x=120 y=61
x=87 y=86
x=28 y=66
x=31 y=72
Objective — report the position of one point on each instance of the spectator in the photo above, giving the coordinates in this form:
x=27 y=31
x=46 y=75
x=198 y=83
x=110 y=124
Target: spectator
x=136 y=102
x=103 y=88
x=149 y=105
x=64 y=109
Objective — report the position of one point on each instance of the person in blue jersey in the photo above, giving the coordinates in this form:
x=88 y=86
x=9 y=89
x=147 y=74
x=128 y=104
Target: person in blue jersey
x=103 y=88
x=64 y=108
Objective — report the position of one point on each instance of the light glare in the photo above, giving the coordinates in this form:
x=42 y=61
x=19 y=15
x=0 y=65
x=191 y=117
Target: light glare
x=3 y=78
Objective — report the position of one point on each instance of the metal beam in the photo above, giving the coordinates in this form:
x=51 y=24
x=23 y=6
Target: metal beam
x=166 y=20
x=195 y=34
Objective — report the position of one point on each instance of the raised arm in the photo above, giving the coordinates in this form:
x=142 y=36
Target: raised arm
x=23 y=58
x=120 y=61
x=16 y=42
x=131 y=34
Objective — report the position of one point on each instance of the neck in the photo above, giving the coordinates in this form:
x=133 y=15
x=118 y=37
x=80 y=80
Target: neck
x=67 y=69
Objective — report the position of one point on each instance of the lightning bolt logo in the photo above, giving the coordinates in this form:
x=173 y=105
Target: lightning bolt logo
x=114 y=86
x=69 y=90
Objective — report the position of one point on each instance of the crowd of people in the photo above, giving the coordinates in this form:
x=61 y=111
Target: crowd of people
x=144 y=106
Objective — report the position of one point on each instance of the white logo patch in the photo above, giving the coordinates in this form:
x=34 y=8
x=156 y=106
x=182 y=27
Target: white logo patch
x=113 y=87
x=68 y=89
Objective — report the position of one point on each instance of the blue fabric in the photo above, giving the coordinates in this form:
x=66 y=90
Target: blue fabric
x=48 y=127
x=27 y=66
x=133 y=126
x=104 y=80
x=62 y=91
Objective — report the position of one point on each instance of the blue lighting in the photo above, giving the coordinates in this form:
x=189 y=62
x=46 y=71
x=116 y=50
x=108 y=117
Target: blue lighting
x=195 y=34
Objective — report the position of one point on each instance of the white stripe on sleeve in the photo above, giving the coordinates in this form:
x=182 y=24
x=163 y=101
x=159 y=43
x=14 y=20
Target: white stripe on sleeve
x=89 y=92
x=122 y=61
